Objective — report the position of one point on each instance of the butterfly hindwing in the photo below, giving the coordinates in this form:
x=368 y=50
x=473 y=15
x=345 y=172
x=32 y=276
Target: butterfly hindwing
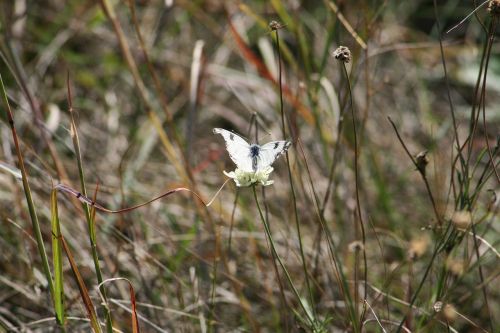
x=270 y=152
x=238 y=149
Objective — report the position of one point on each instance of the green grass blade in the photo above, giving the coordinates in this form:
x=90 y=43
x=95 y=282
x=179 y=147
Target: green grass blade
x=88 y=215
x=57 y=260
x=27 y=193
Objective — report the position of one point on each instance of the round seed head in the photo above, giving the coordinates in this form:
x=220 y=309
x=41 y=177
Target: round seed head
x=343 y=54
x=462 y=219
x=418 y=247
x=449 y=312
x=355 y=246
x=438 y=306
x=454 y=266
x=275 y=25
x=494 y=8
x=422 y=160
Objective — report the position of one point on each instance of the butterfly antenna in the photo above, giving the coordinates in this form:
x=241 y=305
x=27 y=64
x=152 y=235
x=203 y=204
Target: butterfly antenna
x=253 y=122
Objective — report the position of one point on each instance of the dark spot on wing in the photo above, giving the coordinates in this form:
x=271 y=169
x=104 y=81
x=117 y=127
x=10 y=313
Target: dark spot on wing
x=231 y=136
x=276 y=144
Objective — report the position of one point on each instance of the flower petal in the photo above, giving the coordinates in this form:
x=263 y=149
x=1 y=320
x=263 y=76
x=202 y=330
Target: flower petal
x=244 y=178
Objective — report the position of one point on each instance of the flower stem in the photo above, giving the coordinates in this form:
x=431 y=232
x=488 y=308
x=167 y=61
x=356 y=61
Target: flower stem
x=292 y=188
x=275 y=254
x=358 y=201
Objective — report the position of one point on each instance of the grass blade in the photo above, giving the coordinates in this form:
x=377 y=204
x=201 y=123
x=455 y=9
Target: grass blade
x=84 y=293
x=27 y=192
x=57 y=260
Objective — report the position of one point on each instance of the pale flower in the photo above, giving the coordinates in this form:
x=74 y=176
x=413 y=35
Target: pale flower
x=246 y=178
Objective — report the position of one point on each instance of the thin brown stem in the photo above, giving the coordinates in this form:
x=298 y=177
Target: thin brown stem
x=290 y=177
x=358 y=201
x=422 y=173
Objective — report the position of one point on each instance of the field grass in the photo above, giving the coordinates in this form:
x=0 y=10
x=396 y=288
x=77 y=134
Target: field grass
x=116 y=215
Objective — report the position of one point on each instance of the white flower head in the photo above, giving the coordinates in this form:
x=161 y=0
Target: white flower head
x=246 y=178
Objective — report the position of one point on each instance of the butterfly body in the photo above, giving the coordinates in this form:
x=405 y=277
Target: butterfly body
x=254 y=155
x=251 y=157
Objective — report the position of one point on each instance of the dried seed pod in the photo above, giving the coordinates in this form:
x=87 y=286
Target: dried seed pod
x=418 y=247
x=438 y=306
x=494 y=8
x=275 y=25
x=462 y=219
x=355 y=246
x=343 y=54
x=422 y=160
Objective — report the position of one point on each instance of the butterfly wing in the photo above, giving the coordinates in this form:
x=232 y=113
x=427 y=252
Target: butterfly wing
x=238 y=149
x=269 y=152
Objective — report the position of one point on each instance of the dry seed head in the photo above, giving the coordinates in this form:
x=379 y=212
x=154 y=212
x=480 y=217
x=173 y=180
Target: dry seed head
x=494 y=7
x=355 y=246
x=275 y=25
x=449 y=312
x=422 y=161
x=418 y=247
x=438 y=306
x=456 y=267
x=343 y=54
x=462 y=219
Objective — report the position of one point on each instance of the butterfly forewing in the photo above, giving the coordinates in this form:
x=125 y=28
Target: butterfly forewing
x=238 y=149
x=270 y=152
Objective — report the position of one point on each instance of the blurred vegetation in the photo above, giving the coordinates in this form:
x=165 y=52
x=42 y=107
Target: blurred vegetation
x=375 y=226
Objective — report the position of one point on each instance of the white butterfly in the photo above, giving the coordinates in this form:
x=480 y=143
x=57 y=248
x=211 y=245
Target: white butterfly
x=251 y=157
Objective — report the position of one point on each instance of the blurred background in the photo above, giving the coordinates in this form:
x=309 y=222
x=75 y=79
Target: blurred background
x=150 y=80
